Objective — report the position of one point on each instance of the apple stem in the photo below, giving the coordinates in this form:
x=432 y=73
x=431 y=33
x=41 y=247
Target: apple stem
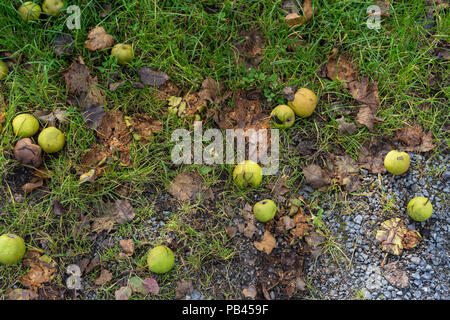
x=428 y=200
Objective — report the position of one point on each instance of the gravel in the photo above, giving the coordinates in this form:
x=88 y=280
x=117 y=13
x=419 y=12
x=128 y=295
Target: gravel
x=361 y=274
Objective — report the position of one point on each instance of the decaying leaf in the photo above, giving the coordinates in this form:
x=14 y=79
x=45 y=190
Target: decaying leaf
x=28 y=153
x=124 y=293
x=143 y=126
x=119 y=211
x=184 y=288
x=83 y=86
x=135 y=284
x=395 y=276
x=98 y=39
x=372 y=153
x=411 y=239
x=93 y=115
x=63 y=44
x=152 y=78
x=391 y=235
x=186 y=186
x=267 y=244
x=315 y=176
x=51 y=117
x=34 y=184
x=294 y=18
x=150 y=285
x=415 y=139
x=366 y=117
x=127 y=246
x=22 y=294
x=42 y=269
x=104 y=277
x=213 y=91
x=345 y=127
x=250 y=292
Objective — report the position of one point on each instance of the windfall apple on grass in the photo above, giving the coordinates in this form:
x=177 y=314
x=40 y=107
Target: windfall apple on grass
x=160 y=259
x=397 y=162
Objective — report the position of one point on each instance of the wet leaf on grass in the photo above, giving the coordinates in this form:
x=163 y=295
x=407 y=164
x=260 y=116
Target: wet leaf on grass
x=93 y=115
x=372 y=153
x=345 y=127
x=395 y=276
x=83 y=86
x=250 y=292
x=104 y=277
x=52 y=292
x=51 y=117
x=267 y=244
x=186 y=186
x=213 y=92
x=58 y=208
x=21 y=294
x=63 y=44
x=315 y=176
x=119 y=211
x=152 y=78
x=124 y=293
x=26 y=152
x=230 y=231
x=366 y=118
x=42 y=269
x=415 y=139
x=98 y=39
x=184 y=287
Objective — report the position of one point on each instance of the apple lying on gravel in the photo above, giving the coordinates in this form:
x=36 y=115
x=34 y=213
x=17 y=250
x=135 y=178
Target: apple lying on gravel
x=419 y=208
x=396 y=162
x=304 y=103
x=247 y=173
x=51 y=140
x=160 y=259
x=4 y=70
x=124 y=53
x=265 y=210
x=52 y=7
x=29 y=11
x=282 y=117
x=12 y=248
x=25 y=125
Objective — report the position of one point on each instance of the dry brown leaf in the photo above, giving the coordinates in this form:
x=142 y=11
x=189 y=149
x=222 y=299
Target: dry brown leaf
x=250 y=292
x=213 y=91
x=34 y=184
x=51 y=117
x=345 y=127
x=42 y=270
x=411 y=239
x=415 y=139
x=119 y=211
x=99 y=39
x=104 y=277
x=127 y=246
x=21 y=294
x=184 y=288
x=186 y=186
x=83 y=86
x=144 y=125
x=267 y=244
x=152 y=78
x=395 y=276
x=315 y=176
x=249 y=230
x=372 y=153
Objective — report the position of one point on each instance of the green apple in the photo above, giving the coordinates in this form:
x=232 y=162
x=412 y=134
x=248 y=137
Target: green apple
x=265 y=210
x=247 y=173
x=52 y=7
x=25 y=125
x=124 y=53
x=51 y=140
x=30 y=11
x=12 y=248
x=304 y=103
x=396 y=162
x=160 y=259
x=282 y=117
x=420 y=209
x=4 y=70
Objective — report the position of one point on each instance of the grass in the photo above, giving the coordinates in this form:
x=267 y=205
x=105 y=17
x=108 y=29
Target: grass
x=192 y=40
